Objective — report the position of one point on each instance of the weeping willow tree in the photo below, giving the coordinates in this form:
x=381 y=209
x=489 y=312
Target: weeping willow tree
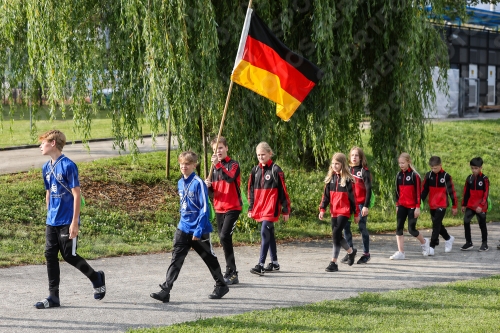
x=174 y=59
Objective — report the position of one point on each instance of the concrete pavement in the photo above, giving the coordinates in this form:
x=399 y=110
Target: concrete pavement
x=302 y=279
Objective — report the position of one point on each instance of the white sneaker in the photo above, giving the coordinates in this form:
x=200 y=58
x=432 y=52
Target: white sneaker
x=449 y=244
x=431 y=251
x=425 y=247
x=397 y=256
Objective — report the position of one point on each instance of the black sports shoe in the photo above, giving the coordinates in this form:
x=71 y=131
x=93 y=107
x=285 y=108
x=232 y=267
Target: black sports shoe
x=467 y=247
x=351 y=256
x=219 y=292
x=258 y=269
x=163 y=295
x=364 y=259
x=47 y=303
x=484 y=247
x=332 y=267
x=272 y=267
x=231 y=277
x=345 y=259
x=100 y=291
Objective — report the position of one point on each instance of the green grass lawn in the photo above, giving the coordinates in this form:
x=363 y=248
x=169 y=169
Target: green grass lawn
x=132 y=209
x=15 y=128
x=465 y=306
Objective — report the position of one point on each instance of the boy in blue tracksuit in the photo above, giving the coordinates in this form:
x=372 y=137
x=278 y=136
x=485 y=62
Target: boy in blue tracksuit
x=62 y=197
x=193 y=230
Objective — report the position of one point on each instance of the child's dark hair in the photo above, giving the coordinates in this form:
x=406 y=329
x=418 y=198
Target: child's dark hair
x=476 y=162
x=434 y=161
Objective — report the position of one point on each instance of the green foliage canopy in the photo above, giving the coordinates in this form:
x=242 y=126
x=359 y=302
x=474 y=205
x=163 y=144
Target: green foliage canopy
x=174 y=58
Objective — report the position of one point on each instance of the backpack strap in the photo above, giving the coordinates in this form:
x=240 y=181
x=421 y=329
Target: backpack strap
x=52 y=171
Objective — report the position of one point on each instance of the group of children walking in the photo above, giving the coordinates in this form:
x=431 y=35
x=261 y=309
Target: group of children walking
x=347 y=192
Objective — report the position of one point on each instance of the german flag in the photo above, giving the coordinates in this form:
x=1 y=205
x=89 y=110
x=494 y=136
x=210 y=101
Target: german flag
x=265 y=65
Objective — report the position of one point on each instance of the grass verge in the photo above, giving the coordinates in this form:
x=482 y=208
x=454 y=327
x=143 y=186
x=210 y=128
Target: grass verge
x=465 y=306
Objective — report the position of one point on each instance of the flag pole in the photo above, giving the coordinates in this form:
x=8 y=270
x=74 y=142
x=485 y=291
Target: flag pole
x=224 y=114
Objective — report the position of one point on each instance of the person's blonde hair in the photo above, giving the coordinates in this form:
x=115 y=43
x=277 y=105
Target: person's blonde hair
x=407 y=157
x=362 y=157
x=264 y=146
x=52 y=135
x=344 y=170
x=188 y=157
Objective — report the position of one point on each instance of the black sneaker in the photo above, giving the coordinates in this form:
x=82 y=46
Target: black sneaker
x=332 y=267
x=351 y=256
x=364 y=259
x=484 y=247
x=163 y=295
x=47 y=303
x=231 y=277
x=345 y=259
x=272 y=267
x=100 y=288
x=219 y=292
x=258 y=269
x=467 y=247
x=498 y=247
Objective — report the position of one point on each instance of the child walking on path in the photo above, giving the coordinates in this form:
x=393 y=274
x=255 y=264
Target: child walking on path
x=193 y=230
x=340 y=195
x=363 y=192
x=475 y=202
x=225 y=187
x=267 y=198
x=63 y=199
x=408 y=206
x=439 y=185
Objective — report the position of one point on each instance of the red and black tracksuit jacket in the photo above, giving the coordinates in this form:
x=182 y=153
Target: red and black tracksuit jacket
x=476 y=191
x=408 y=189
x=439 y=186
x=267 y=194
x=342 y=199
x=226 y=186
x=363 y=185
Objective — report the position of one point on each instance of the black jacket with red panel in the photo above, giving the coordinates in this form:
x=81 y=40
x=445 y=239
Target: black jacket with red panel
x=408 y=189
x=476 y=191
x=267 y=194
x=363 y=185
x=342 y=199
x=439 y=186
x=226 y=186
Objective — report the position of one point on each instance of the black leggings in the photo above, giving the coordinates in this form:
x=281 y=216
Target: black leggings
x=226 y=222
x=338 y=224
x=57 y=240
x=402 y=214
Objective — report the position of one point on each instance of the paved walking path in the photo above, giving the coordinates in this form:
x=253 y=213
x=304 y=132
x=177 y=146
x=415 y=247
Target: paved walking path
x=18 y=160
x=302 y=280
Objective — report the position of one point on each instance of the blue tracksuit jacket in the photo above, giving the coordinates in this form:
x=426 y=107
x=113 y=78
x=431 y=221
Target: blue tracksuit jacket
x=194 y=207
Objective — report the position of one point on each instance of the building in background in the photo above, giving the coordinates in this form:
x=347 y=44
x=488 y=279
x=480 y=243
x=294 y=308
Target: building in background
x=474 y=74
